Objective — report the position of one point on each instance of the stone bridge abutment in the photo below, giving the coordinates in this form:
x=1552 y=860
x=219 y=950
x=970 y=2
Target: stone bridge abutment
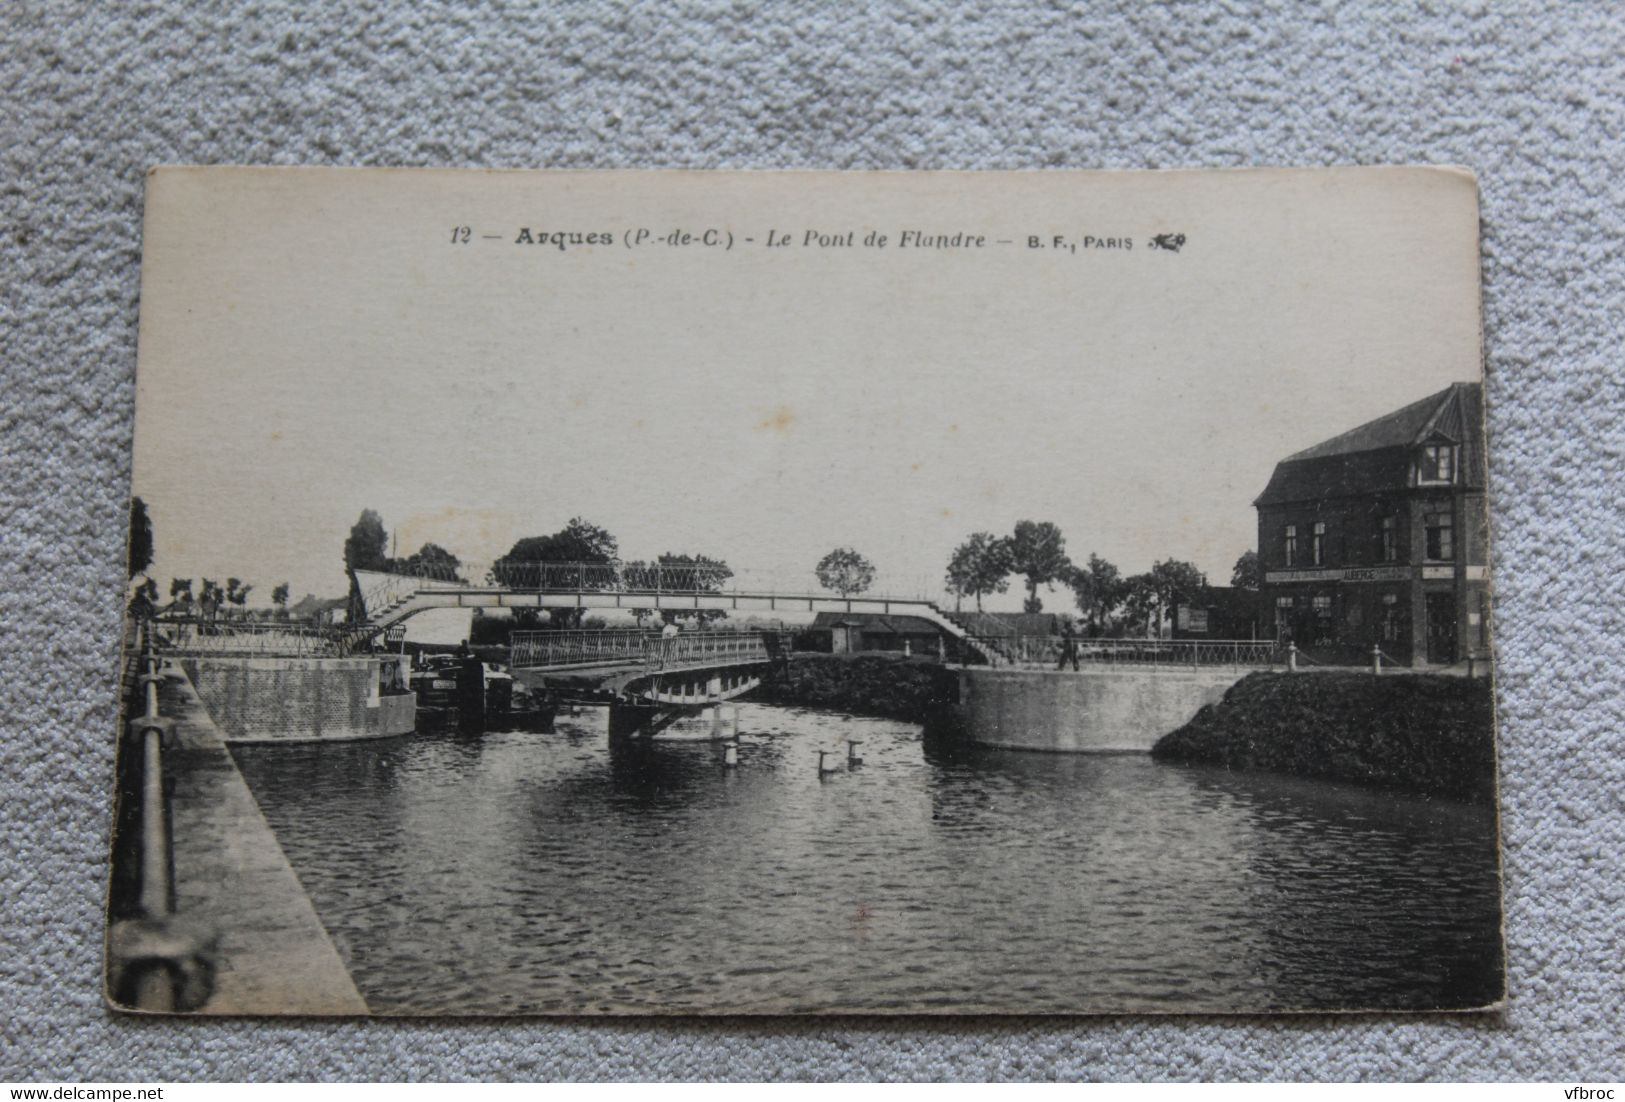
x=1122 y=709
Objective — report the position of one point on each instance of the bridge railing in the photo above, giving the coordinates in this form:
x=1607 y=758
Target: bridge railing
x=542 y=649
x=243 y=638
x=530 y=649
x=1049 y=651
x=983 y=625
x=701 y=647
x=627 y=577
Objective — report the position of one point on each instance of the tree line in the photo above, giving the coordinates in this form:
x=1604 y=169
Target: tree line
x=1035 y=551
x=1107 y=601
x=212 y=601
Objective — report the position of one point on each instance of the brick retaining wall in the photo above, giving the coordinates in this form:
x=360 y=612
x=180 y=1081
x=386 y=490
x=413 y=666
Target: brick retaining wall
x=297 y=699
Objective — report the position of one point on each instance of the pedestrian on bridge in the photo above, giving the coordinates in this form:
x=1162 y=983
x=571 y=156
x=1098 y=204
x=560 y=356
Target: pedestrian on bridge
x=1069 y=648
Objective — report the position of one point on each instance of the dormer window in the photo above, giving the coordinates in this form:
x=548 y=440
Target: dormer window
x=1438 y=463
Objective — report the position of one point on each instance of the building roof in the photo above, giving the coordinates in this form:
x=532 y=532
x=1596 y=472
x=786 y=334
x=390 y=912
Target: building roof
x=1380 y=454
x=1226 y=598
x=876 y=622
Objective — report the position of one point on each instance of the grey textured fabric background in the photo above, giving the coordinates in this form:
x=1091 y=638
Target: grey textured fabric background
x=1528 y=95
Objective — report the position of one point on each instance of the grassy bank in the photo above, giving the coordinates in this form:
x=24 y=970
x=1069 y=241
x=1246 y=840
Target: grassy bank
x=864 y=684
x=1416 y=732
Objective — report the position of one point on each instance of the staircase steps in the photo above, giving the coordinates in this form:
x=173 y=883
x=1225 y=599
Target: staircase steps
x=979 y=631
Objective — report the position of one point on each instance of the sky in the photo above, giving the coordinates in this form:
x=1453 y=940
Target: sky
x=315 y=343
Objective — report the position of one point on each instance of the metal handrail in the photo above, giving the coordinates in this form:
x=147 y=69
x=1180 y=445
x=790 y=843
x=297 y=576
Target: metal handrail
x=692 y=648
x=244 y=638
x=652 y=650
x=977 y=625
x=154 y=962
x=531 y=649
x=1040 y=651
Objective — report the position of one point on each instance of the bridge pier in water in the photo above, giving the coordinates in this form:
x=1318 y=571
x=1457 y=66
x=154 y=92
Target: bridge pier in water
x=630 y=721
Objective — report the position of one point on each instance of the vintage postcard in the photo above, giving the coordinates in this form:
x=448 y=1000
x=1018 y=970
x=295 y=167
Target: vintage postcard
x=806 y=593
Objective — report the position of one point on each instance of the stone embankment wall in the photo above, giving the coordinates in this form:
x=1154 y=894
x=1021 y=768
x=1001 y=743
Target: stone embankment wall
x=1097 y=710
x=298 y=699
x=888 y=686
x=231 y=878
x=1104 y=710
x=1423 y=733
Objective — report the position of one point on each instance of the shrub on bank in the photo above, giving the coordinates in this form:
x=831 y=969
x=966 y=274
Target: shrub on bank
x=1424 y=733
x=889 y=686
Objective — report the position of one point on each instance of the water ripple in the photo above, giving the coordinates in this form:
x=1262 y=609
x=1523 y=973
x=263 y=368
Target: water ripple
x=546 y=873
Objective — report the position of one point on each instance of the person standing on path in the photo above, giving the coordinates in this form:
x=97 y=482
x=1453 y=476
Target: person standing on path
x=1069 y=648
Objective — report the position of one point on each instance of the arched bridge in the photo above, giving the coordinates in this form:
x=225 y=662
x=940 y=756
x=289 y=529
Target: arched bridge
x=390 y=598
x=647 y=679
x=689 y=668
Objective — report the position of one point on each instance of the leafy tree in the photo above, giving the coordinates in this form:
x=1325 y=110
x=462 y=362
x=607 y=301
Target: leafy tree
x=365 y=549
x=1038 y=553
x=577 y=542
x=704 y=574
x=1098 y=588
x=180 y=594
x=979 y=566
x=1247 y=573
x=209 y=599
x=430 y=561
x=140 y=546
x=845 y=571
x=1137 y=606
x=144 y=600
x=1171 y=582
x=639 y=574
x=237 y=592
x=279 y=598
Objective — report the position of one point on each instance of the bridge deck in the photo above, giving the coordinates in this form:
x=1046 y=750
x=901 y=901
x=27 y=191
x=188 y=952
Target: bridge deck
x=619 y=660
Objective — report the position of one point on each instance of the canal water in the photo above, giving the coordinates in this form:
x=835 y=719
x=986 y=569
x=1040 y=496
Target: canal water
x=521 y=872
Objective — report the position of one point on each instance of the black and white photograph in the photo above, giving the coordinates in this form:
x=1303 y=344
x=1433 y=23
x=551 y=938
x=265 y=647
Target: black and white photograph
x=807 y=593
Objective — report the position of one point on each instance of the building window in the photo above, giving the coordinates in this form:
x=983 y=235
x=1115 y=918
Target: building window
x=1390 y=540
x=1317 y=543
x=1283 y=602
x=1323 y=606
x=1393 y=624
x=1439 y=463
x=1291 y=541
x=1440 y=531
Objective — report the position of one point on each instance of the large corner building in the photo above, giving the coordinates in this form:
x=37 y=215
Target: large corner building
x=1380 y=536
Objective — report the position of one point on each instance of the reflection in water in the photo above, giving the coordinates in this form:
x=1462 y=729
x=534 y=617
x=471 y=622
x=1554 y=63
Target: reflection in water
x=528 y=872
x=1339 y=865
